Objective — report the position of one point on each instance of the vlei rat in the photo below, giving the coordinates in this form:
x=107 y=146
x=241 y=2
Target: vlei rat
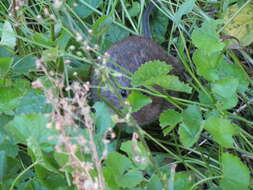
x=130 y=53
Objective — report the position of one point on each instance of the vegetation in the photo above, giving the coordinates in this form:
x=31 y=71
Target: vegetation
x=52 y=137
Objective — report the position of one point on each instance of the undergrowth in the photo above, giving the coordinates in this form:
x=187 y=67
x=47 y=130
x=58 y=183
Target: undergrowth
x=52 y=136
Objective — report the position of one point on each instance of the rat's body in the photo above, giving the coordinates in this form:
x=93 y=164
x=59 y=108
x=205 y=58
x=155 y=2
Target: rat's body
x=130 y=53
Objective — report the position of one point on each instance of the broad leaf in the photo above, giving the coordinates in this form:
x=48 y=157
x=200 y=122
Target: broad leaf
x=84 y=7
x=10 y=98
x=32 y=125
x=191 y=127
x=5 y=65
x=183 y=181
x=103 y=118
x=236 y=175
x=33 y=101
x=225 y=87
x=241 y=26
x=222 y=131
x=206 y=38
x=138 y=100
x=168 y=120
x=149 y=72
x=170 y=82
x=8 y=36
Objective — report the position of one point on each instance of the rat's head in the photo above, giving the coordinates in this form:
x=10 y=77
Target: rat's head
x=114 y=94
x=112 y=82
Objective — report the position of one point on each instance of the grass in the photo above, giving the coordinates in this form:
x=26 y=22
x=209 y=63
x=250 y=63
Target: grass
x=53 y=137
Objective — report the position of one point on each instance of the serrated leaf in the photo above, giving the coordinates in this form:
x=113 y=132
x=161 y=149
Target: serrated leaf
x=170 y=82
x=8 y=36
x=206 y=38
x=5 y=65
x=103 y=118
x=222 y=131
x=236 y=175
x=191 y=127
x=185 y=8
x=170 y=118
x=225 y=87
x=149 y=72
x=241 y=26
x=138 y=100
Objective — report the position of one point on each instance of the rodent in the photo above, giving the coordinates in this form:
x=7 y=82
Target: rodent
x=130 y=53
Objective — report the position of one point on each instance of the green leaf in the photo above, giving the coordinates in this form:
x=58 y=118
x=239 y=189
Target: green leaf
x=206 y=38
x=227 y=70
x=138 y=100
x=5 y=65
x=114 y=34
x=63 y=40
x=170 y=82
x=43 y=39
x=154 y=183
x=207 y=64
x=3 y=164
x=183 y=181
x=159 y=26
x=222 y=131
x=83 y=9
x=33 y=101
x=24 y=65
x=131 y=148
x=191 y=127
x=226 y=103
x=170 y=118
x=102 y=24
x=225 y=87
x=118 y=163
x=8 y=145
x=32 y=125
x=8 y=36
x=149 y=72
x=6 y=51
x=236 y=175
x=184 y=9
x=10 y=98
x=120 y=172
x=130 y=179
x=134 y=9
x=103 y=118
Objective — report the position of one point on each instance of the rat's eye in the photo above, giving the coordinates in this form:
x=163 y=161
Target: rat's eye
x=123 y=93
